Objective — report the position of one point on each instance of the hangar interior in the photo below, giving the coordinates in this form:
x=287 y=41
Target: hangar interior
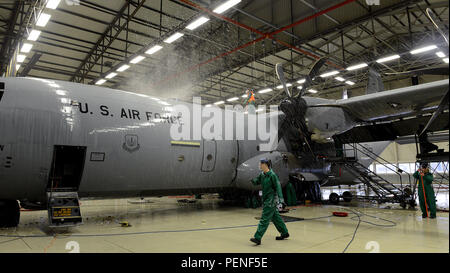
x=180 y=49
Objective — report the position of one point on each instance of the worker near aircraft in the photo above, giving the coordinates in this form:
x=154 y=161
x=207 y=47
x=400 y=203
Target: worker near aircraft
x=251 y=101
x=425 y=191
x=271 y=189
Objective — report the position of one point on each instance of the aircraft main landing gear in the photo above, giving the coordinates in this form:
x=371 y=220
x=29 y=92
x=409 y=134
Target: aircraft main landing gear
x=334 y=197
x=9 y=213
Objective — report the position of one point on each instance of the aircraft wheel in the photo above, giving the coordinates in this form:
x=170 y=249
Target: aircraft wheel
x=9 y=213
x=334 y=198
x=347 y=196
x=403 y=204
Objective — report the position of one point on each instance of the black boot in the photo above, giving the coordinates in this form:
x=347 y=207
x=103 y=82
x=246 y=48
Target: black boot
x=282 y=237
x=256 y=241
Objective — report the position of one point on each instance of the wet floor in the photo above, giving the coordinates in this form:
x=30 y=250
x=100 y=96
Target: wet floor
x=441 y=194
x=207 y=225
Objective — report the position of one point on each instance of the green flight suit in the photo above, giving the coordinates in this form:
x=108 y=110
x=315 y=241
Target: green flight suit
x=426 y=180
x=291 y=198
x=270 y=188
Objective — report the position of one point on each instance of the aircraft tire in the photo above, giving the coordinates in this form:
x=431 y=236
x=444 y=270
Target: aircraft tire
x=9 y=213
x=347 y=196
x=334 y=198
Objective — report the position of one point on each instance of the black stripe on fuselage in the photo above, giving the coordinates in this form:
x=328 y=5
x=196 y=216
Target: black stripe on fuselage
x=2 y=89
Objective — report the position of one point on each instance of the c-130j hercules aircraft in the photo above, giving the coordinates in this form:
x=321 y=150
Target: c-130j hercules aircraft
x=63 y=140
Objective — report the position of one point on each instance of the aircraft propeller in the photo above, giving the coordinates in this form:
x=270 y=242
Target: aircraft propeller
x=295 y=108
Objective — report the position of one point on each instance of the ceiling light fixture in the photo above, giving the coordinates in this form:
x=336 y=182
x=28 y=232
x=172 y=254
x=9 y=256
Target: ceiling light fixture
x=225 y=6
x=137 y=59
x=43 y=20
x=53 y=4
x=349 y=82
x=358 y=66
x=328 y=74
x=423 y=49
x=100 y=82
x=34 y=35
x=200 y=21
x=387 y=59
x=265 y=90
x=111 y=75
x=153 y=50
x=173 y=38
x=123 y=68
x=26 y=48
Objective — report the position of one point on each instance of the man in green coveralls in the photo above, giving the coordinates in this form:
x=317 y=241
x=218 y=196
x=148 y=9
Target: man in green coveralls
x=425 y=191
x=271 y=188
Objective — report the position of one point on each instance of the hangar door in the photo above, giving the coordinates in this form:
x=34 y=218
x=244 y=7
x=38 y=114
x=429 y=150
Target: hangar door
x=209 y=155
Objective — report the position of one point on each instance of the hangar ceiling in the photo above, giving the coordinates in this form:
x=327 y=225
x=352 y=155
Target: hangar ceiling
x=84 y=41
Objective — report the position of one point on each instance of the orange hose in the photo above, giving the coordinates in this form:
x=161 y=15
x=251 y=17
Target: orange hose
x=424 y=197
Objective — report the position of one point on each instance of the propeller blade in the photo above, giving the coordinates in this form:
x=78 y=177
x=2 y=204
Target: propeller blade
x=442 y=104
x=437 y=24
x=280 y=75
x=312 y=74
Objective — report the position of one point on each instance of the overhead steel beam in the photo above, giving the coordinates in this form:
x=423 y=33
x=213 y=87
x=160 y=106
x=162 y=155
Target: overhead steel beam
x=112 y=32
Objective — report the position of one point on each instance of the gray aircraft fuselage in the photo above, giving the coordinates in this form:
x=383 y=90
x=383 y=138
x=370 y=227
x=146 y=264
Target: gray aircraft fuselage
x=128 y=148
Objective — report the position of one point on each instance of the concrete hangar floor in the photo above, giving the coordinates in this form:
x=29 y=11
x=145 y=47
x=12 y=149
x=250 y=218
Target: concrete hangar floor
x=183 y=224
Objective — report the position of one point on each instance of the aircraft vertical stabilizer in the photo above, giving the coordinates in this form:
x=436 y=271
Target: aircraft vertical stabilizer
x=374 y=83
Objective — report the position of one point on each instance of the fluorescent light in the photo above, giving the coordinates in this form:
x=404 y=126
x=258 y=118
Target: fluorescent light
x=200 y=21
x=233 y=99
x=123 y=68
x=26 y=48
x=52 y=4
x=219 y=102
x=281 y=86
x=445 y=60
x=17 y=66
x=301 y=81
x=153 y=50
x=225 y=6
x=340 y=79
x=349 y=82
x=137 y=59
x=208 y=105
x=100 y=82
x=312 y=91
x=358 y=66
x=328 y=74
x=440 y=54
x=34 y=35
x=423 y=49
x=265 y=90
x=111 y=75
x=43 y=19
x=389 y=58
x=300 y=87
x=174 y=37
x=21 y=58
x=245 y=95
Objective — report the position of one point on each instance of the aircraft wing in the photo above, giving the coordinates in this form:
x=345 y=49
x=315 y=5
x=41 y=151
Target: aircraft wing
x=393 y=104
x=392 y=130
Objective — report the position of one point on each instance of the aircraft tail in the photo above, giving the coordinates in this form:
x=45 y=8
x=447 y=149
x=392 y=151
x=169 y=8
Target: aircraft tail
x=374 y=83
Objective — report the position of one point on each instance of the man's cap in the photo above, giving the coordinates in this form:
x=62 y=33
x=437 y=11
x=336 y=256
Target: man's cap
x=264 y=160
x=424 y=165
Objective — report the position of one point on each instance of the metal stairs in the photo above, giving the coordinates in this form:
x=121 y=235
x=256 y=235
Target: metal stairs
x=384 y=191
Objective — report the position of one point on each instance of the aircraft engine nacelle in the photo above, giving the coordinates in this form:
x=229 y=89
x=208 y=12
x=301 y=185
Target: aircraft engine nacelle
x=250 y=169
